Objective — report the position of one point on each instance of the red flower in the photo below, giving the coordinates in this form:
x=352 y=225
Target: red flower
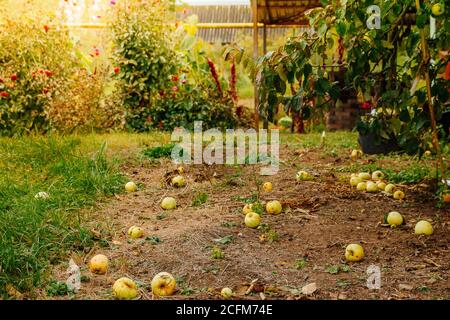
x=41 y=71
x=174 y=88
x=366 y=105
x=4 y=94
x=46 y=28
x=45 y=90
x=116 y=70
x=48 y=73
x=183 y=81
x=175 y=78
x=14 y=77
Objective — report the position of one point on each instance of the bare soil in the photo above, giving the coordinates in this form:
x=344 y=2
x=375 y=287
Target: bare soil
x=321 y=217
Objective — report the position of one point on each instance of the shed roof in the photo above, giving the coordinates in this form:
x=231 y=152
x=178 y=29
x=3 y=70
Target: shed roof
x=284 y=12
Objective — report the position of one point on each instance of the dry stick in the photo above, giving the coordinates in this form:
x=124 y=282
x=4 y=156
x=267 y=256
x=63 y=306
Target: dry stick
x=426 y=58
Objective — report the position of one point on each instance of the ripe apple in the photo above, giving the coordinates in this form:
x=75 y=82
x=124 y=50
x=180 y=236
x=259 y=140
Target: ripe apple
x=163 y=284
x=267 y=186
x=42 y=195
x=437 y=9
x=371 y=187
x=361 y=186
x=252 y=220
x=136 y=232
x=427 y=153
x=377 y=175
x=381 y=185
x=226 y=293
x=356 y=154
x=125 y=289
x=399 y=195
x=168 y=203
x=394 y=219
x=99 y=264
x=365 y=176
x=303 y=176
x=180 y=170
x=131 y=186
x=389 y=188
x=423 y=227
x=247 y=208
x=178 y=181
x=273 y=207
x=446 y=198
x=354 y=252
x=354 y=181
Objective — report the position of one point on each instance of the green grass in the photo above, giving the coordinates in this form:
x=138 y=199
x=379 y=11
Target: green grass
x=36 y=233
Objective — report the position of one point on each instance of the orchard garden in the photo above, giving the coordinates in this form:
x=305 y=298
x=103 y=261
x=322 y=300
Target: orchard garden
x=93 y=207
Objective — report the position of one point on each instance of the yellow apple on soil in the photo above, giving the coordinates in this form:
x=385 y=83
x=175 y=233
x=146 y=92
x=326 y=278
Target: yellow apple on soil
x=178 y=181
x=438 y=9
x=423 y=227
x=125 y=289
x=381 y=185
x=131 y=186
x=247 y=208
x=377 y=175
x=163 y=284
x=303 y=176
x=354 y=252
x=273 y=207
x=394 y=219
x=168 y=203
x=180 y=170
x=267 y=186
x=390 y=188
x=371 y=187
x=99 y=264
x=399 y=195
x=361 y=186
x=427 y=153
x=252 y=220
x=365 y=176
x=356 y=154
x=226 y=293
x=136 y=232
x=354 y=181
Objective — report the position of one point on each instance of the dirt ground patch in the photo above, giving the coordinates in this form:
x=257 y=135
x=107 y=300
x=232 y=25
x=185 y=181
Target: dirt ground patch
x=303 y=245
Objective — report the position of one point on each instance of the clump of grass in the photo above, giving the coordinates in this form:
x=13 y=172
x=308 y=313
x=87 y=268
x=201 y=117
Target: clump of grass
x=199 y=199
x=163 y=151
x=36 y=233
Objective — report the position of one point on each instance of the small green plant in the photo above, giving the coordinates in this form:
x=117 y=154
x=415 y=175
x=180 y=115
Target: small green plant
x=423 y=288
x=217 y=253
x=200 y=199
x=187 y=291
x=334 y=269
x=154 y=239
x=300 y=263
x=163 y=151
x=272 y=236
x=224 y=240
x=57 y=288
x=229 y=224
x=161 y=216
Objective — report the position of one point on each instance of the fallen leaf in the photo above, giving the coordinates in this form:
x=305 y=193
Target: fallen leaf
x=309 y=289
x=405 y=287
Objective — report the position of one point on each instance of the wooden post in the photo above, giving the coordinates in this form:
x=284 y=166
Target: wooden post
x=264 y=39
x=255 y=57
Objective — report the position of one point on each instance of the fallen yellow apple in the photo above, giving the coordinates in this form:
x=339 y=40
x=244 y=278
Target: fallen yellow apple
x=356 y=154
x=365 y=176
x=381 y=185
x=131 y=186
x=267 y=186
x=125 y=289
x=361 y=186
x=178 y=181
x=180 y=170
x=303 y=176
x=399 y=195
x=136 y=232
x=247 y=208
x=354 y=181
x=377 y=175
x=423 y=227
x=274 y=207
x=252 y=220
x=354 y=252
x=163 y=284
x=394 y=219
x=371 y=187
x=168 y=203
x=427 y=153
x=99 y=264
x=390 y=188
x=226 y=293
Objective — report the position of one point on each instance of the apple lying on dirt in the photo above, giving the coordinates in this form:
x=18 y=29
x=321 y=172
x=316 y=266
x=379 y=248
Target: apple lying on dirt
x=163 y=284
x=365 y=176
x=399 y=195
x=131 y=186
x=267 y=186
x=381 y=185
x=125 y=289
x=99 y=264
x=252 y=220
x=273 y=207
x=303 y=176
x=354 y=252
x=371 y=187
x=356 y=154
x=361 y=186
x=377 y=175
x=180 y=170
x=42 y=195
x=226 y=293
x=178 y=181
x=247 y=208
x=423 y=227
x=427 y=154
x=390 y=188
x=394 y=219
x=354 y=181
x=136 y=232
x=168 y=203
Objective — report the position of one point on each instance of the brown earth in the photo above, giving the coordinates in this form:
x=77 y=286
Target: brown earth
x=321 y=217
